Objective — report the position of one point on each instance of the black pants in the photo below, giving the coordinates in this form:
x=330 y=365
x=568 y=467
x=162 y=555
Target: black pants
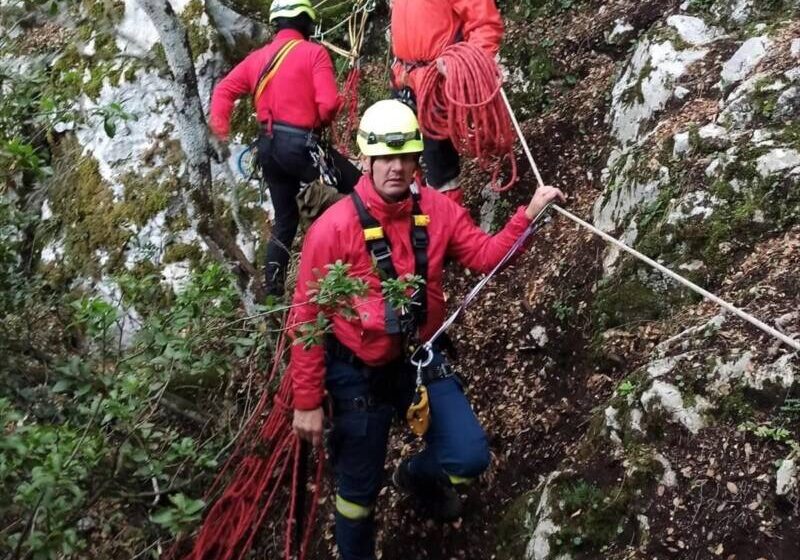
x=286 y=163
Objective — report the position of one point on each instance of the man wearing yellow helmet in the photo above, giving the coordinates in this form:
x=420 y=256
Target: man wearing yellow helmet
x=389 y=227
x=295 y=96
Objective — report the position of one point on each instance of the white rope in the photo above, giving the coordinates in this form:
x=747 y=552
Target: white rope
x=661 y=268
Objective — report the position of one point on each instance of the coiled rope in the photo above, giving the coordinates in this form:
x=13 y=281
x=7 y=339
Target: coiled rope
x=466 y=107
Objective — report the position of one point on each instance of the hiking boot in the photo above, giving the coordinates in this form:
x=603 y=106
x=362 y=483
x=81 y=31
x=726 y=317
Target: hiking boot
x=275 y=277
x=436 y=498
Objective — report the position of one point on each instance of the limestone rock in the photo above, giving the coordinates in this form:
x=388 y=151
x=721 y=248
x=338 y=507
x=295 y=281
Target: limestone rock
x=693 y=30
x=745 y=59
x=777 y=160
x=667 y=397
x=786 y=478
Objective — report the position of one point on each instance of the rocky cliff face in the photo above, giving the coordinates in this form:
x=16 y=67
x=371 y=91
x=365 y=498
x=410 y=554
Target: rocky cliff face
x=627 y=418
x=693 y=451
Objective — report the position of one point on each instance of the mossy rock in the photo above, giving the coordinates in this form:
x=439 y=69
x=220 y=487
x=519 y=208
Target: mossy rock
x=84 y=206
x=516 y=526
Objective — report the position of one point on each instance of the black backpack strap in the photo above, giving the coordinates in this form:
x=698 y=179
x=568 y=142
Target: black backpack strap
x=380 y=250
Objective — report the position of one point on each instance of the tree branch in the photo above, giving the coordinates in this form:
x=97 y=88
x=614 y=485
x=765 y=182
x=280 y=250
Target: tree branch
x=195 y=141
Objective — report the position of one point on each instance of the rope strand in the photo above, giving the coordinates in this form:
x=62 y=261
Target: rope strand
x=644 y=258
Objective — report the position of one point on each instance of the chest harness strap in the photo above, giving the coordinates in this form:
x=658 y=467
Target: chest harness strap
x=381 y=251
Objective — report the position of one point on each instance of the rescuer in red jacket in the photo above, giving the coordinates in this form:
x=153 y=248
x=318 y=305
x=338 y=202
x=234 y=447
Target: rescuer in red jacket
x=388 y=229
x=420 y=30
x=295 y=96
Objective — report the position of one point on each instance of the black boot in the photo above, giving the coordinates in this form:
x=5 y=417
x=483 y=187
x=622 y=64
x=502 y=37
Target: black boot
x=436 y=498
x=276 y=276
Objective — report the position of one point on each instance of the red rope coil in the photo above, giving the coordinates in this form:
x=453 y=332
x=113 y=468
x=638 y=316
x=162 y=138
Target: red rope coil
x=466 y=108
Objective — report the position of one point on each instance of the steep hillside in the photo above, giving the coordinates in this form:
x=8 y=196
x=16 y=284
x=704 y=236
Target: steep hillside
x=627 y=418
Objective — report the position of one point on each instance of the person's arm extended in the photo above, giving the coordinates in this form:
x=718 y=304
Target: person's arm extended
x=480 y=251
x=307 y=364
x=237 y=83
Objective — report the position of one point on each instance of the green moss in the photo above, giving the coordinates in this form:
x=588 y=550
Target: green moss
x=84 y=207
x=144 y=197
x=602 y=515
x=764 y=99
x=177 y=252
x=627 y=299
x=538 y=70
x=198 y=34
x=734 y=407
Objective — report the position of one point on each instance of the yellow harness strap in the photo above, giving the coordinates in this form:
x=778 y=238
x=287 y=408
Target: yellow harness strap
x=273 y=66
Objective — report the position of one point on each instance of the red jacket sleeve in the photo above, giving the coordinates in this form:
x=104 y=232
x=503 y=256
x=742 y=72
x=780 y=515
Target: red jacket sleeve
x=482 y=24
x=478 y=250
x=237 y=83
x=326 y=94
x=307 y=366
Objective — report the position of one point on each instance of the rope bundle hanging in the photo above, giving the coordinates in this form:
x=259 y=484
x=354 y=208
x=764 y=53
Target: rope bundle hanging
x=466 y=107
x=263 y=474
x=356 y=31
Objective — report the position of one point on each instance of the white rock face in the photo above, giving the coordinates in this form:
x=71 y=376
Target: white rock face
x=612 y=253
x=610 y=212
x=696 y=203
x=741 y=9
x=668 y=397
x=669 y=478
x=777 y=160
x=795 y=48
x=637 y=97
x=745 y=59
x=788 y=104
x=693 y=30
x=725 y=373
x=621 y=32
x=136 y=34
x=177 y=275
x=681 y=144
x=539 y=335
x=783 y=372
x=786 y=478
x=539 y=545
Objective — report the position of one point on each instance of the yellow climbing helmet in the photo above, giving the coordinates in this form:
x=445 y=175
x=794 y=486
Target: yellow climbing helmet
x=389 y=127
x=290 y=9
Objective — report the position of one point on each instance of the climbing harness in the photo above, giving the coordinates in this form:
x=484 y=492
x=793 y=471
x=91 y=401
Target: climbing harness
x=379 y=249
x=466 y=108
x=406 y=323
x=647 y=260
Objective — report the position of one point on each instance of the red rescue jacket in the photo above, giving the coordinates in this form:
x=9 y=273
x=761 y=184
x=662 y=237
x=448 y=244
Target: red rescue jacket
x=421 y=29
x=337 y=235
x=303 y=92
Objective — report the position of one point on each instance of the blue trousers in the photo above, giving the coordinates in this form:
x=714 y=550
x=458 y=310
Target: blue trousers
x=456 y=447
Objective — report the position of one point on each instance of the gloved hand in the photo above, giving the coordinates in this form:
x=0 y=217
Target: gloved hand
x=219 y=150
